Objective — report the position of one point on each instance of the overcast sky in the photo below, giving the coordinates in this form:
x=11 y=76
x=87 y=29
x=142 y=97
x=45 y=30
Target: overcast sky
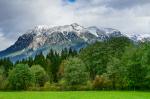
x=17 y=16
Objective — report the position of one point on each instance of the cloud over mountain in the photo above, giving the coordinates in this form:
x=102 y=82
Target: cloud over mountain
x=129 y=16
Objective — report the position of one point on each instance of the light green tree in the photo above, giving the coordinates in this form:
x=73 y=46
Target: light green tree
x=20 y=77
x=39 y=75
x=136 y=70
x=117 y=73
x=75 y=72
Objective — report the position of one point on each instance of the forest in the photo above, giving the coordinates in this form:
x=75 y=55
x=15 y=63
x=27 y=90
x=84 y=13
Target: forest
x=114 y=64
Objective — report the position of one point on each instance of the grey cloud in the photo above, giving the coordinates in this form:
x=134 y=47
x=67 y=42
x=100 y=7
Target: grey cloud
x=125 y=4
x=13 y=14
x=20 y=15
x=17 y=16
x=115 y=4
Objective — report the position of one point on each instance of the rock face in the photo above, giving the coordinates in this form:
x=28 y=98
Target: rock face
x=44 y=38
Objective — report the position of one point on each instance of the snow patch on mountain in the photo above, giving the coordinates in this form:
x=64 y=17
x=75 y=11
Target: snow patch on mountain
x=139 y=37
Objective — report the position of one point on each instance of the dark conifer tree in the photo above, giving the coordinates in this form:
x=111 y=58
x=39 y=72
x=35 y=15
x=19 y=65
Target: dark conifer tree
x=55 y=61
x=64 y=54
x=7 y=65
x=40 y=60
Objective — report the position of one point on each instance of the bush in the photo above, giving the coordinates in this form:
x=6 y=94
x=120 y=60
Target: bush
x=51 y=87
x=1 y=81
x=101 y=83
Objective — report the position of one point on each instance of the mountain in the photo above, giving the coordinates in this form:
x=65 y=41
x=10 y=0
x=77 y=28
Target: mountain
x=43 y=38
x=139 y=37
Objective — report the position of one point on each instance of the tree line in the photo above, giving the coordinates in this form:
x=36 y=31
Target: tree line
x=114 y=64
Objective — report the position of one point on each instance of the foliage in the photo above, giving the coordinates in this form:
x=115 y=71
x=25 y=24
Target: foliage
x=101 y=83
x=39 y=75
x=116 y=72
x=55 y=61
x=40 y=60
x=136 y=69
x=114 y=64
x=75 y=72
x=1 y=81
x=20 y=77
x=6 y=64
x=97 y=56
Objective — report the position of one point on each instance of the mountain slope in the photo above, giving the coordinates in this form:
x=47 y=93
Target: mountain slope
x=44 y=38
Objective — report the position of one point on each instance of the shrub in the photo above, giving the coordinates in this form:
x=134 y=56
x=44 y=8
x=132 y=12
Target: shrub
x=101 y=83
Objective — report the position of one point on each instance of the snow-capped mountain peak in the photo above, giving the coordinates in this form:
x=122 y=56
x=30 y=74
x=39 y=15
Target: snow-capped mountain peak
x=139 y=37
x=77 y=27
x=95 y=31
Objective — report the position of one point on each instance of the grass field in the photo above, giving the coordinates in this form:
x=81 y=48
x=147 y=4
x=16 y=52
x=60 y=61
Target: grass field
x=76 y=95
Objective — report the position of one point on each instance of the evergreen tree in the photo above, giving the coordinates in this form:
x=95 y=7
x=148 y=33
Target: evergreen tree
x=64 y=53
x=7 y=65
x=40 y=60
x=55 y=61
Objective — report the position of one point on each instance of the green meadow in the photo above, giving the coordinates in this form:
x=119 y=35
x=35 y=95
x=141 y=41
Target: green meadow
x=76 y=95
